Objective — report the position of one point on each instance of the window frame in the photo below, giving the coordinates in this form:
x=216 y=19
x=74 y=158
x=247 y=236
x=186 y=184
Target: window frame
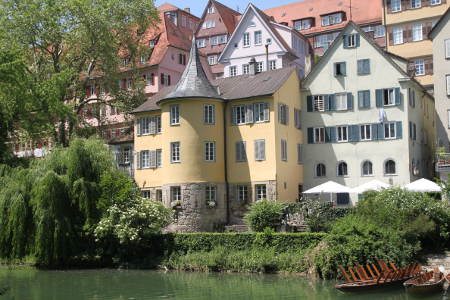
x=257 y=37
x=416 y=30
x=175 y=193
x=242 y=145
x=209 y=114
x=210 y=193
x=210 y=151
x=447 y=48
x=344 y=170
x=391 y=125
x=245 y=69
x=284 y=150
x=412 y=2
x=174 y=114
x=397 y=32
x=385 y=167
x=419 y=64
x=362 y=168
x=260 y=192
x=398 y=6
x=212 y=59
x=363 y=132
x=343 y=99
x=257 y=157
x=321 y=131
x=175 y=152
x=246 y=40
x=242 y=193
x=340 y=132
x=318 y=103
x=434 y=2
x=390 y=100
x=323 y=171
x=233 y=71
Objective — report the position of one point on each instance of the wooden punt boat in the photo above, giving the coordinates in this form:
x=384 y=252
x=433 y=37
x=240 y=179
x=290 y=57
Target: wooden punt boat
x=426 y=283
x=369 y=277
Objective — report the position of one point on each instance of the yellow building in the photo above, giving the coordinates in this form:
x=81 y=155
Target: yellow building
x=408 y=23
x=209 y=149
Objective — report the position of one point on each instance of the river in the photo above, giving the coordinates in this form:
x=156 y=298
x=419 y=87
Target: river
x=31 y=284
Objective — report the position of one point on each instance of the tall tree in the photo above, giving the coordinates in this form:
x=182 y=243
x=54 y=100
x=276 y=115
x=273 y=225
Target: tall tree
x=69 y=43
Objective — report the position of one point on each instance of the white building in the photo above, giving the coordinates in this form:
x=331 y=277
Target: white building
x=365 y=118
x=272 y=45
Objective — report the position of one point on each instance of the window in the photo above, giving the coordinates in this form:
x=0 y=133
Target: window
x=319 y=135
x=260 y=150
x=272 y=64
x=351 y=40
x=447 y=48
x=92 y=90
x=396 y=5
x=397 y=35
x=416 y=32
x=175 y=152
x=165 y=79
x=209 y=114
x=182 y=59
x=388 y=97
x=299 y=153
x=261 y=193
x=233 y=71
x=149 y=159
x=367 y=169
x=211 y=10
x=149 y=125
x=223 y=39
x=342 y=169
x=239 y=114
x=283 y=113
x=145 y=159
x=297 y=122
x=159 y=195
x=258 y=37
x=152 y=43
x=149 y=78
x=363 y=66
x=416 y=3
x=419 y=66
x=341 y=102
x=175 y=114
x=435 y=2
x=129 y=83
x=175 y=193
x=342 y=133
x=201 y=43
x=389 y=167
x=259 y=67
x=145 y=194
x=340 y=69
x=364 y=99
x=448 y=84
x=412 y=97
x=366 y=132
x=390 y=130
x=242 y=193
x=332 y=19
x=303 y=24
x=245 y=69
x=321 y=171
x=158 y=158
x=210 y=151
x=283 y=150
x=319 y=103
x=212 y=60
x=261 y=112
x=246 y=39
x=209 y=24
x=380 y=31
x=241 y=152
x=210 y=193
x=324 y=40
x=214 y=40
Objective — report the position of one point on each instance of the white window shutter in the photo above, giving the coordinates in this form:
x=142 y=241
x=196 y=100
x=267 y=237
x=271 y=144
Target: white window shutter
x=138 y=126
x=138 y=160
x=152 y=125
x=257 y=150
x=262 y=149
x=249 y=113
x=266 y=111
x=152 y=158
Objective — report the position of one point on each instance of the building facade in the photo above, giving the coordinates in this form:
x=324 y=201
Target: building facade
x=272 y=45
x=365 y=118
x=440 y=35
x=322 y=20
x=217 y=25
x=408 y=23
x=210 y=149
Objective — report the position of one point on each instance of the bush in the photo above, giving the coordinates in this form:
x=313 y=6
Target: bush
x=263 y=214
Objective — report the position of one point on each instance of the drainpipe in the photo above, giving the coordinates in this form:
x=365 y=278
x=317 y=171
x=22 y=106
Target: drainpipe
x=267 y=57
x=386 y=39
x=225 y=160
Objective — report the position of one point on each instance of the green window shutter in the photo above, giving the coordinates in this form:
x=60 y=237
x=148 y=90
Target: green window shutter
x=375 y=132
x=345 y=40
x=332 y=102
x=266 y=111
x=344 y=68
x=138 y=160
x=379 y=98
x=349 y=101
x=397 y=96
x=333 y=137
x=380 y=131
x=327 y=102
x=327 y=134
x=309 y=103
x=310 y=135
x=366 y=99
x=399 y=130
x=249 y=113
x=353 y=133
x=334 y=69
x=358 y=40
x=361 y=99
x=360 y=67
x=366 y=66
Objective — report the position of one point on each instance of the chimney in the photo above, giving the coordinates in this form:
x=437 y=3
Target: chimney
x=187 y=9
x=252 y=67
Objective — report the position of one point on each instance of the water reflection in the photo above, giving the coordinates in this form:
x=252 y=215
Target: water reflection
x=115 y=284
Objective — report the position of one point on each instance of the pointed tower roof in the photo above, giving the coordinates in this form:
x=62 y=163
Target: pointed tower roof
x=193 y=82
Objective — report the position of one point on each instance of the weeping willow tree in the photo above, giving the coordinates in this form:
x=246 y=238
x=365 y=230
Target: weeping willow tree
x=48 y=210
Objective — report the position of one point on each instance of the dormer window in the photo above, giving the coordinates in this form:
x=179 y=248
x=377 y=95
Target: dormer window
x=152 y=43
x=209 y=24
x=303 y=24
x=172 y=16
x=201 y=43
x=351 y=40
x=211 y=10
x=332 y=19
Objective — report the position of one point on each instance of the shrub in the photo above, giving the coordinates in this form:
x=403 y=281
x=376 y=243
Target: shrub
x=263 y=214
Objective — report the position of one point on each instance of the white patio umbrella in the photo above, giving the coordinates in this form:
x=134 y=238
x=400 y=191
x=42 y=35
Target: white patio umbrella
x=329 y=187
x=374 y=185
x=423 y=185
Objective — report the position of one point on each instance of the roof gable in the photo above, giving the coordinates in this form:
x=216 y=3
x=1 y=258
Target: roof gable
x=445 y=19
x=253 y=13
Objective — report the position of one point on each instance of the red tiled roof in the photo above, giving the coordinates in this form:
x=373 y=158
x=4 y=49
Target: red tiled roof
x=167 y=7
x=362 y=12
x=228 y=15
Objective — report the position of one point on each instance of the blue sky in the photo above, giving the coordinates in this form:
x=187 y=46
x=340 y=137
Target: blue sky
x=197 y=6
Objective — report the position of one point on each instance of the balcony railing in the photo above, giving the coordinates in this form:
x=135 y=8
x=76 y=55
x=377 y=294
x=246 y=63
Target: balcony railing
x=443 y=163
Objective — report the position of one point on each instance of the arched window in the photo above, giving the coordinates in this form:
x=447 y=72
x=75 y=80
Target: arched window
x=342 y=169
x=389 y=167
x=321 y=170
x=367 y=169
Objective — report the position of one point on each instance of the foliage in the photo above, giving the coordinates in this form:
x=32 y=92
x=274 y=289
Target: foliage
x=61 y=46
x=133 y=222
x=264 y=214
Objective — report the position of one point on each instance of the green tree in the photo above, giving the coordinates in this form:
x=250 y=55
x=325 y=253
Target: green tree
x=263 y=214
x=68 y=43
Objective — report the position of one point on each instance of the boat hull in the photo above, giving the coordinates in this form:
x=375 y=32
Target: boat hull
x=424 y=289
x=362 y=287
